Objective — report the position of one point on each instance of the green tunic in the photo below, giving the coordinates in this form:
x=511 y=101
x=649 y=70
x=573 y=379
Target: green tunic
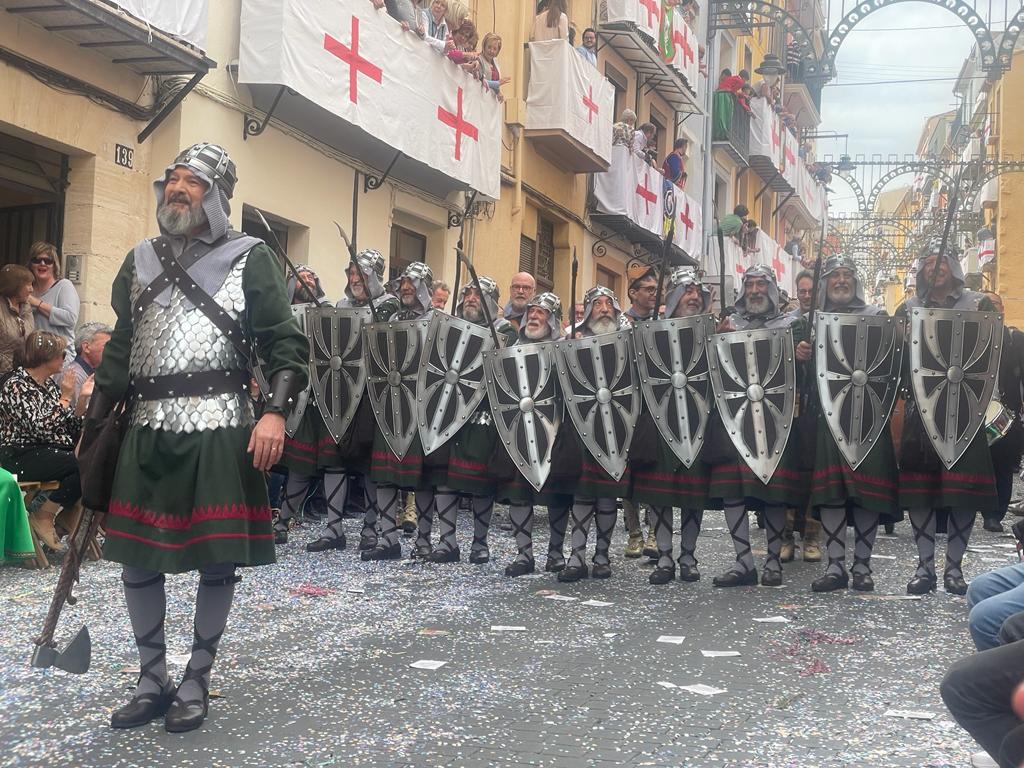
x=15 y=536
x=181 y=501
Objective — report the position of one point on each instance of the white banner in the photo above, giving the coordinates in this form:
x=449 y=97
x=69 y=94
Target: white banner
x=358 y=63
x=767 y=251
x=687 y=55
x=568 y=94
x=768 y=138
x=631 y=188
x=185 y=19
x=646 y=14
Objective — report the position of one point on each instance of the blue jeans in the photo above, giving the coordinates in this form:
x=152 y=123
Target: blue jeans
x=992 y=598
x=275 y=485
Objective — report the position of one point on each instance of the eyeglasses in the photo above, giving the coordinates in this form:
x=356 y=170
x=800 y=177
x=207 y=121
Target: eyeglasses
x=42 y=260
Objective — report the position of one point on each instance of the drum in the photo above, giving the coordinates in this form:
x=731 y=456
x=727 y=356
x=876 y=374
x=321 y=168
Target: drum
x=998 y=421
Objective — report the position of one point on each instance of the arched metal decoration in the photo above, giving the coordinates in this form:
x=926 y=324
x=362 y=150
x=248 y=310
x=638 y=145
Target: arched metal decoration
x=672 y=358
x=796 y=30
x=987 y=172
x=857 y=189
x=933 y=168
x=753 y=374
x=857 y=360
x=954 y=359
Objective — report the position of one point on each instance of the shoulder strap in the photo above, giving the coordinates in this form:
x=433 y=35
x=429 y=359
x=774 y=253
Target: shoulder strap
x=175 y=273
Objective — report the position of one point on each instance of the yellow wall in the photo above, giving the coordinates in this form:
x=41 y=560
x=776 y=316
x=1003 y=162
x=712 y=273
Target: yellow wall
x=1009 y=235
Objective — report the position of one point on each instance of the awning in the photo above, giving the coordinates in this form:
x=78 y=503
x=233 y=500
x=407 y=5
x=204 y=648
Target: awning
x=114 y=34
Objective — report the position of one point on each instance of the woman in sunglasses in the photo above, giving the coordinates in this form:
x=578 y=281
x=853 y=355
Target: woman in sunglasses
x=54 y=300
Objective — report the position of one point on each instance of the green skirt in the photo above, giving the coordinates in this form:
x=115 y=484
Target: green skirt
x=872 y=486
x=15 y=535
x=788 y=486
x=388 y=470
x=468 y=468
x=669 y=483
x=184 y=501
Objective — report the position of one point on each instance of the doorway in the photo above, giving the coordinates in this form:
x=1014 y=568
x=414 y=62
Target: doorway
x=32 y=184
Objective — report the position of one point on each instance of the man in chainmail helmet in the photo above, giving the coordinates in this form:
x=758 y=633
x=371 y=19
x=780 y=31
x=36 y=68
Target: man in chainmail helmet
x=186 y=496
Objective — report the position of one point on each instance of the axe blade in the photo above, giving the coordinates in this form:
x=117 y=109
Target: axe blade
x=74 y=659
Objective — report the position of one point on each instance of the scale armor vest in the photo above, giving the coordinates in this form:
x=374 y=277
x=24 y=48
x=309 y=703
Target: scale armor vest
x=175 y=339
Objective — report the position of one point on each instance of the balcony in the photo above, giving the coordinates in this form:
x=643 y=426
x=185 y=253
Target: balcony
x=800 y=101
x=774 y=154
x=632 y=29
x=350 y=77
x=569 y=109
x=730 y=128
x=630 y=199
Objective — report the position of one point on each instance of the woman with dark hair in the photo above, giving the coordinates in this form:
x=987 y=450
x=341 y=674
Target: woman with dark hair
x=551 y=23
x=16 y=321
x=38 y=428
x=55 y=302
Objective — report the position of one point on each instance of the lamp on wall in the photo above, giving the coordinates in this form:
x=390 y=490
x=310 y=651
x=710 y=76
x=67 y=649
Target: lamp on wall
x=771 y=69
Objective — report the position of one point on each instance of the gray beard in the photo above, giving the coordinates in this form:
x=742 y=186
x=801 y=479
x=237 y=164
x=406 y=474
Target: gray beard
x=540 y=335
x=603 y=325
x=473 y=314
x=175 y=223
x=841 y=301
x=409 y=301
x=758 y=306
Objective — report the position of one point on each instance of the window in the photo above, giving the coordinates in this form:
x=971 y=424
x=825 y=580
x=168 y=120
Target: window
x=618 y=81
x=406 y=247
x=545 y=274
x=661 y=137
x=252 y=226
x=608 y=279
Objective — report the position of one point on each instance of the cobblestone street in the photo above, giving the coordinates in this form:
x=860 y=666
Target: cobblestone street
x=315 y=667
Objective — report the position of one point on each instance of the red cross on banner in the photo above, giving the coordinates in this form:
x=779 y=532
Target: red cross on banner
x=356 y=64
x=653 y=12
x=684 y=217
x=790 y=157
x=775 y=131
x=591 y=105
x=779 y=266
x=681 y=39
x=740 y=270
x=644 y=190
x=462 y=127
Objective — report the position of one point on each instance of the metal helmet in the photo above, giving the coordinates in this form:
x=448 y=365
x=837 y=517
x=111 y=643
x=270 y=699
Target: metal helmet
x=318 y=290
x=370 y=264
x=488 y=288
x=767 y=273
x=932 y=248
x=553 y=305
x=422 y=279
x=841 y=261
x=679 y=280
x=212 y=161
x=588 y=302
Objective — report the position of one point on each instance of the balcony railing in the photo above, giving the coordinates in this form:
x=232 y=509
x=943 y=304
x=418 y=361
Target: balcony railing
x=731 y=127
x=569 y=108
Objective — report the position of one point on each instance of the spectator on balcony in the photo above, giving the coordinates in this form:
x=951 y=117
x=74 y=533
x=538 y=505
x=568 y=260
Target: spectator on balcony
x=622 y=131
x=744 y=96
x=733 y=222
x=589 y=48
x=674 y=167
x=551 y=23
x=433 y=26
x=572 y=35
x=464 y=40
x=488 y=64
x=402 y=11
x=748 y=237
x=730 y=82
x=642 y=138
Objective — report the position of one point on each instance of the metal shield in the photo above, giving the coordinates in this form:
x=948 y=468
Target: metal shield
x=601 y=394
x=857 y=359
x=302 y=399
x=753 y=375
x=672 y=360
x=954 y=359
x=392 y=351
x=336 y=371
x=522 y=393
x=451 y=379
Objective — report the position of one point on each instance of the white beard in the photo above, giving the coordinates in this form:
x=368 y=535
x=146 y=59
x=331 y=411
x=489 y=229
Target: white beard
x=758 y=305
x=473 y=314
x=603 y=325
x=180 y=223
x=538 y=335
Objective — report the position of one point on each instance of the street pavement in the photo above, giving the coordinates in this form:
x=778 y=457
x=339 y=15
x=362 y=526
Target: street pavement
x=315 y=667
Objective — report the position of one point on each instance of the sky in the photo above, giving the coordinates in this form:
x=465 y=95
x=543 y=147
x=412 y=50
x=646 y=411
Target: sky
x=906 y=41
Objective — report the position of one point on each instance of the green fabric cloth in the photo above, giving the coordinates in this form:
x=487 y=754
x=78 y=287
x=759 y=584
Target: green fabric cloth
x=721 y=116
x=730 y=224
x=184 y=500
x=15 y=534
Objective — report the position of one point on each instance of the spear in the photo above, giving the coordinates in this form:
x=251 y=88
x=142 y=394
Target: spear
x=721 y=269
x=284 y=255
x=483 y=299
x=666 y=253
x=572 y=293
x=352 y=255
x=954 y=201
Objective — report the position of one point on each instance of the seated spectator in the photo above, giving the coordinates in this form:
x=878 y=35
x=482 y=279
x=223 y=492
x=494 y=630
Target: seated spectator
x=733 y=222
x=488 y=62
x=16 y=319
x=622 y=131
x=433 y=26
x=992 y=598
x=551 y=23
x=589 y=48
x=90 y=340
x=39 y=429
x=54 y=300
x=675 y=163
